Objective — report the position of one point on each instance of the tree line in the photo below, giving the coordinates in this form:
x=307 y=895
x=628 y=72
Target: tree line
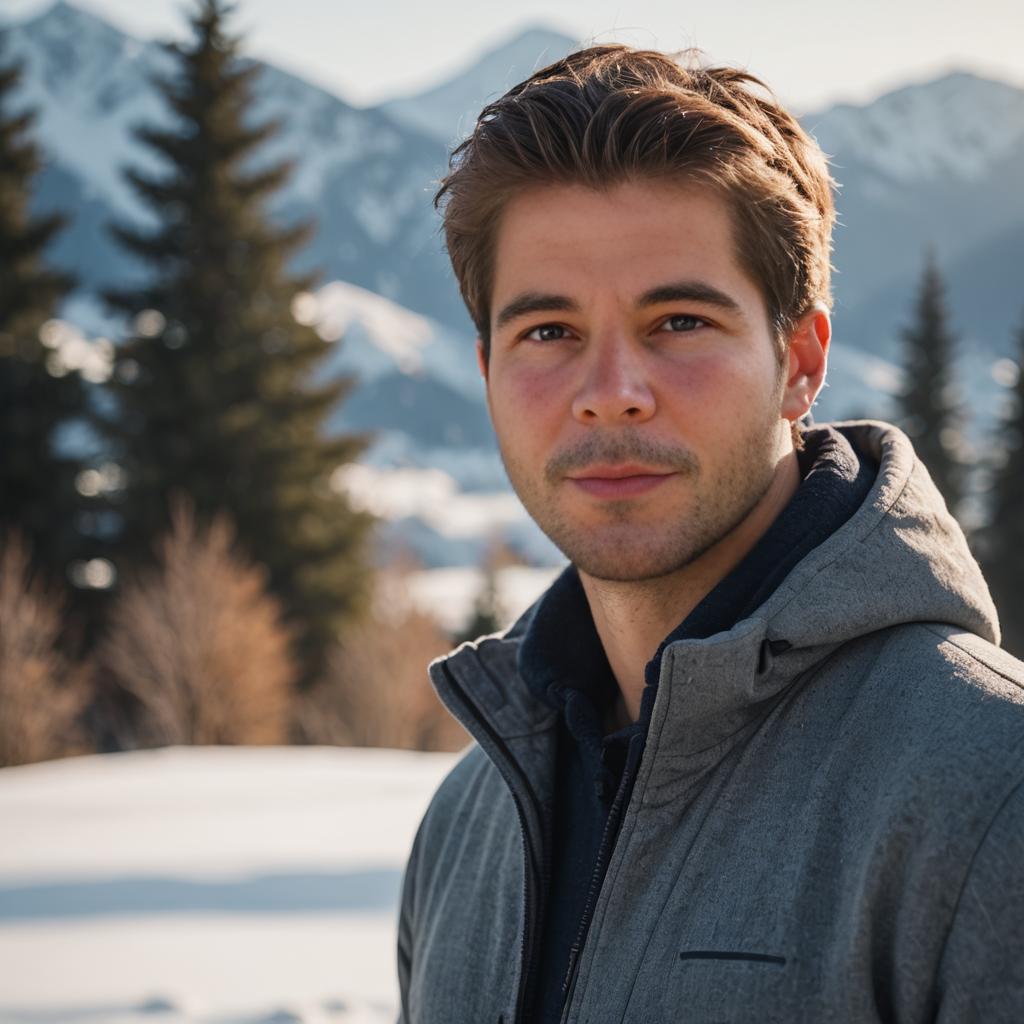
x=203 y=545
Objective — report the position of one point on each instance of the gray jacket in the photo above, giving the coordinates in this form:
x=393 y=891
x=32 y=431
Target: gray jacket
x=827 y=823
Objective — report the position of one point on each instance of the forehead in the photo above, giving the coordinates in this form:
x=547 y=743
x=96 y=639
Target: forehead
x=576 y=239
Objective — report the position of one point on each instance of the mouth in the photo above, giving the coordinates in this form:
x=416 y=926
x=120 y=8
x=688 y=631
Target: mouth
x=622 y=481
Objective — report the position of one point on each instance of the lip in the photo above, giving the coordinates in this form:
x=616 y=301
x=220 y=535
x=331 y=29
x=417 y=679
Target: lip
x=622 y=481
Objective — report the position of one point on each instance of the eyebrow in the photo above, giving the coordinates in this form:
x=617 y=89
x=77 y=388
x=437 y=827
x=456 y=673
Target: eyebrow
x=535 y=302
x=691 y=291
x=676 y=291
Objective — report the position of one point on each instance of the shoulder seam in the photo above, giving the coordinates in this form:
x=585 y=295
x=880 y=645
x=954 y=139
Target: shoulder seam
x=975 y=656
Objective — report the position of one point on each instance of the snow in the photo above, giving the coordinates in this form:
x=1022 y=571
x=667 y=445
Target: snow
x=475 y=469
x=91 y=85
x=87 y=82
x=222 y=883
x=956 y=127
x=380 y=336
x=376 y=215
x=431 y=495
x=394 y=494
x=449 y=594
x=314 y=123
x=428 y=511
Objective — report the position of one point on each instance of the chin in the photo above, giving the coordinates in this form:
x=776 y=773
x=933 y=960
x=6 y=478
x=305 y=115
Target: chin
x=631 y=551
x=632 y=560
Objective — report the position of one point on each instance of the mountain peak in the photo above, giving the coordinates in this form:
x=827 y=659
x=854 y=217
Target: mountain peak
x=62 y=16
x=520 y=55
x=75 y=33
x=451 y=107
x=959 y=125
x=535 y=38
x=956 y=84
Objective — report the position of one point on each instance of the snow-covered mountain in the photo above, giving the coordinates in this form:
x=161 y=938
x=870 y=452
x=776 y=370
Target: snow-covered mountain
x=449 y=109
x=959 y=127
x=417 y=389
x=382 y=338
x=932 y=163
x=364 y=179
x=82 y=77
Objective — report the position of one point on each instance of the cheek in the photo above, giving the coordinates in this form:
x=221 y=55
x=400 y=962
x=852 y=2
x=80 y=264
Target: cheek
x=523 y=401
x=717 y=382
x=719 y=402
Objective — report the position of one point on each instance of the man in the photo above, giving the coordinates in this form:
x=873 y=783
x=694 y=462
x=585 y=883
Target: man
x=754 y=756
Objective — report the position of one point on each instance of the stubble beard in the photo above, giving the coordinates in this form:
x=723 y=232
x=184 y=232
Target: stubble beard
x=621 y=541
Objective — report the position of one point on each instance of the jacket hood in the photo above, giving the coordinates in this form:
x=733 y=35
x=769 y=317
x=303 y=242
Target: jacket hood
x=901 y=558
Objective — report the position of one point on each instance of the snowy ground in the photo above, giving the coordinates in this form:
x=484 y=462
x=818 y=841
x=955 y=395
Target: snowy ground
x=222 y=885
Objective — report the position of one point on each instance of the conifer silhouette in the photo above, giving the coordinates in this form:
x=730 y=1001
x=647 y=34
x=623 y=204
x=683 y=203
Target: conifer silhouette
x=214 y=389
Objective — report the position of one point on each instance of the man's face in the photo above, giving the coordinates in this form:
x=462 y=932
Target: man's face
x=633 y=380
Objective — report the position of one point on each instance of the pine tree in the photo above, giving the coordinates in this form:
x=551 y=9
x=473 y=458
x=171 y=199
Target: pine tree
x=38 y=394
x=929 y=409
x=488 y=614
x=213 y=389
x=1004 y=561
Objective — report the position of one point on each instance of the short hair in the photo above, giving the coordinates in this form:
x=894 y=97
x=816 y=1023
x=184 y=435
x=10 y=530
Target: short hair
x=608 y=115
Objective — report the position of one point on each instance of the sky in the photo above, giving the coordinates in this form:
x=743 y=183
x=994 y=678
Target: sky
x=812 y=54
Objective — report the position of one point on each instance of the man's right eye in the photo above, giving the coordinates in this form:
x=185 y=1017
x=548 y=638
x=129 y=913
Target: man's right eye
x=547 y=332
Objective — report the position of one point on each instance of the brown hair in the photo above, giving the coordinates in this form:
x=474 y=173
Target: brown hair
x=610 y=114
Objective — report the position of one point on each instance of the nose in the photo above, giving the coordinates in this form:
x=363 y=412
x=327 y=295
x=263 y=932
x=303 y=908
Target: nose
x=615 y=388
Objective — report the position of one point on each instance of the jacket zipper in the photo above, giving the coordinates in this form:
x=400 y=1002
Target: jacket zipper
x=535 y=875
x=607 y=845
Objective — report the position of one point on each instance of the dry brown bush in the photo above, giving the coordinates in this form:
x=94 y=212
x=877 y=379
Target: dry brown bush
x=42 y=694
x=377 y=692
x=200 y=643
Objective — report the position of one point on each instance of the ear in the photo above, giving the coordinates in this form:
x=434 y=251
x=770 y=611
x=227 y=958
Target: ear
x=481 y=359
x=807 y=354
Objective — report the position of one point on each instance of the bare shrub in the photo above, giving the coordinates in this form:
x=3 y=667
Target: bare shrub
x=42 y=693
x=377 y=692
x=200 y=643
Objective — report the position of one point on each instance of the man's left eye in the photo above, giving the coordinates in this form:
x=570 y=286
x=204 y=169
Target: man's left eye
x=682 y=323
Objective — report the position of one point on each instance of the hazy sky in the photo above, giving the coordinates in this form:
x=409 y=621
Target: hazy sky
x=810 y=53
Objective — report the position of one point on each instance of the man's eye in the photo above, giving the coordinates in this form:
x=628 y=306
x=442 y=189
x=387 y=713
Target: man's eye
x=547 y=332
x=683 y=323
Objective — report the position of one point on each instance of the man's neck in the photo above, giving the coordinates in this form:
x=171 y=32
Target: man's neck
x=633 y=618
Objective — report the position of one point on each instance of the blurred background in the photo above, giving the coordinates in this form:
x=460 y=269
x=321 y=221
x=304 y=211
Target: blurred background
x=248 y=487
